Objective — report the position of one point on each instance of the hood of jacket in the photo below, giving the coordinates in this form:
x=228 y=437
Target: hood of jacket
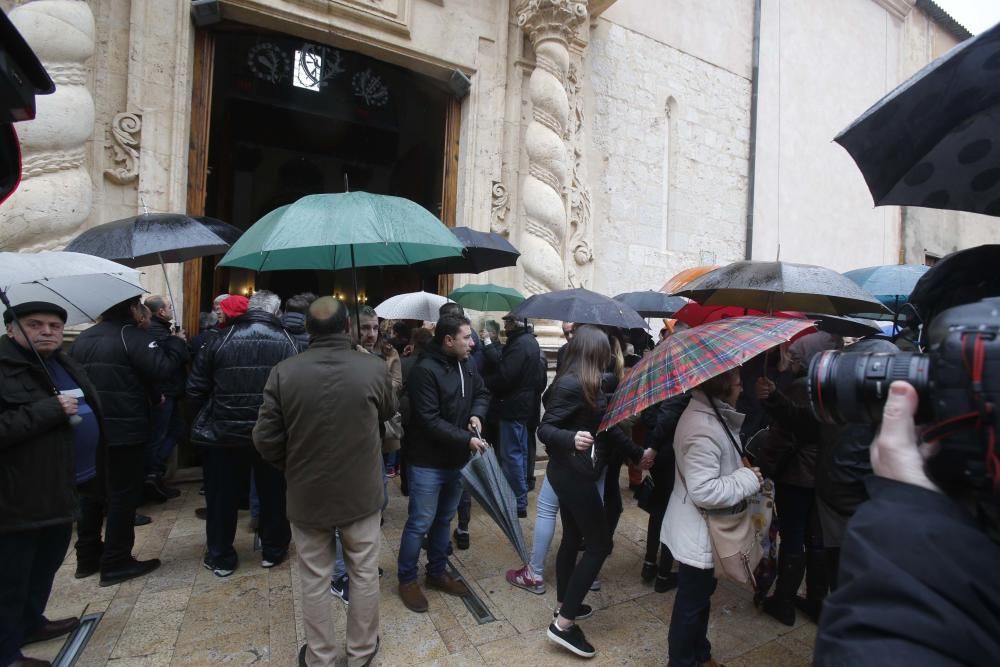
x=294 y=322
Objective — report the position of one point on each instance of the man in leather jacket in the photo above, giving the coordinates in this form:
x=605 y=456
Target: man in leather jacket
x=226 y=386
x=167 y=421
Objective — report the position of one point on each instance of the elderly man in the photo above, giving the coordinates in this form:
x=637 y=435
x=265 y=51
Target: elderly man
x=227 y=384
x=333 y=472
x=43 y=457
x=167 y=421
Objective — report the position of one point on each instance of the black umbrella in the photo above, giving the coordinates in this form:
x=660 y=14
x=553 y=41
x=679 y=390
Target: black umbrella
x=581 y=306
x=483 y=251
x=841 y=325
x=488 y=485
x=775 y=286
x=962 y=277
x=933 y=141
x=652 y=304
x=225 y=231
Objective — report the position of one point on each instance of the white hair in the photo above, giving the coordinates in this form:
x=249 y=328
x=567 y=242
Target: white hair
x=266 y=301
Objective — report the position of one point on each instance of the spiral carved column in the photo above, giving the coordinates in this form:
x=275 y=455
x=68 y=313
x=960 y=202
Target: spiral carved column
x=550 y=24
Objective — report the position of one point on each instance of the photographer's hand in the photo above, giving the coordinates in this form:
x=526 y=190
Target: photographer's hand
x=895 y=452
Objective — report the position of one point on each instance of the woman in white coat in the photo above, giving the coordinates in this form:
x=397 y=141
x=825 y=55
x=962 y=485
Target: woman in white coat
x=710 y=476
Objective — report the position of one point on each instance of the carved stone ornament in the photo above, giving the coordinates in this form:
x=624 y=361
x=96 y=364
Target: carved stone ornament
x=498 y=210
x=125 y=130
x=549 y=18
x=580 y=246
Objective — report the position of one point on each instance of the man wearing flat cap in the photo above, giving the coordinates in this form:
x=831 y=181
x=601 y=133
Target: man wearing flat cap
x=43 y=458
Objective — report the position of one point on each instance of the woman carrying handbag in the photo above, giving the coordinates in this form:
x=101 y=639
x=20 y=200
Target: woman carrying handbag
x=711 y=485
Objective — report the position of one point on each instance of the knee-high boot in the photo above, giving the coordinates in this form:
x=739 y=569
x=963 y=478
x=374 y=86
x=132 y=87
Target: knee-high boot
x=781 y=605
x=817 y=585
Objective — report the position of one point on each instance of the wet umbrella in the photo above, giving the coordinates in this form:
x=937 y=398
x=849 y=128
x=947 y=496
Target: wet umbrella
x=774 y=286
x=581 y=306
x=652 y=304
x=225 y=231
x=961 y=277
x=486 y=297
x=842 y=325
x=483 y=251
x=692 y=356
x=682 y=278
x=891 y=284
x=933 y=140
x=487 y=484
x=411 y=306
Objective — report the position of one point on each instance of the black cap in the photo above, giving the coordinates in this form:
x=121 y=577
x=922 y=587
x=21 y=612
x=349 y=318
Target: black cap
x=31 y=307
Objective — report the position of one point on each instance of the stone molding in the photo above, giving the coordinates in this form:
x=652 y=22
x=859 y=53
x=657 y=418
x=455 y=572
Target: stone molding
x=124 y=146
x=551 y=19
x=580 y=248
x=48 y=162
x=896 y=8
x=392 y=15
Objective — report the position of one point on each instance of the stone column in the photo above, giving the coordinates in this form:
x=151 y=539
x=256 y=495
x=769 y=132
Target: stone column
x=550 y=24
x=56 y=194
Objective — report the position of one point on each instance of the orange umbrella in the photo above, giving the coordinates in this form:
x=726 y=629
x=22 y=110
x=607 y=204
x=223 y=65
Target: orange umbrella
x=678 y=282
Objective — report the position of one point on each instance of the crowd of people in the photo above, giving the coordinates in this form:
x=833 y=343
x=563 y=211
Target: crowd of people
x=303 y=411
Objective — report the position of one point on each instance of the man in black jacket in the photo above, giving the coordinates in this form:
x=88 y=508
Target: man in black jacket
x=448 y=400
x=38 y=501
x=126 y=365
x=294 y=317
x=226 y=386
x=513 y=380
x=167 y=422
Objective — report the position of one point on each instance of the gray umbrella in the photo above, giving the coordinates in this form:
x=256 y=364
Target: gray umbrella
x=933 y=141
x=487 y=484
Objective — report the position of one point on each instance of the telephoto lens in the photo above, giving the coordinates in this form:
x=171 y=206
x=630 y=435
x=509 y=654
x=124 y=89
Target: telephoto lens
x=851 y=387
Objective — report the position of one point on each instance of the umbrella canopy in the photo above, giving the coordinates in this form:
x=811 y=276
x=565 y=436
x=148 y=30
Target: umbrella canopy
x=930 y=141
x=841 y=325
x=773 y=286
x=682 y=278
x=890 y=284
x=692 y=356
x=148 y=239
x=225 y=231
x=483 y=251
x=341 y=231
x=652 y=304
x=411 y=306
x=581 y=306
x=487 y=484
x=961 y=277
x=486 y=297
x=84 y=285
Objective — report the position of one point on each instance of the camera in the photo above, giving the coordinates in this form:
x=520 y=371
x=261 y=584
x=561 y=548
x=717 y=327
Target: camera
x=957 y=379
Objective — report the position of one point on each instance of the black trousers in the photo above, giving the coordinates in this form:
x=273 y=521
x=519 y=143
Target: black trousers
x=687 y=640
x=93 y=505
x=583 y=519
x=28 y=563
x=227 y=472
x=662 y=473
x=126 y=471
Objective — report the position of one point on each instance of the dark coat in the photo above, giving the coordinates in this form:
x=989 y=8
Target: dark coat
x=173 y=384
x=295 y=324
x=37 y=477
x=513 y=376
x=566 y=412
x=227 y=379
x=321 y=424
x=791 y=449
x=917 y=585
x=127 y=365
x=444 y=394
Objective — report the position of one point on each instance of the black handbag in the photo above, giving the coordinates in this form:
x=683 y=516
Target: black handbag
x=644 y=494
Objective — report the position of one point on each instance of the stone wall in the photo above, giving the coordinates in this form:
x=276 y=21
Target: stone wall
x=669 y=159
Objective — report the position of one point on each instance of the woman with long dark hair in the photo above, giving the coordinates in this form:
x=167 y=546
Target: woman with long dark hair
x=574 y=405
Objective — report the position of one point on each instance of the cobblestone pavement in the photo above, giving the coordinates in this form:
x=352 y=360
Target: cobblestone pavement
x=183 y=615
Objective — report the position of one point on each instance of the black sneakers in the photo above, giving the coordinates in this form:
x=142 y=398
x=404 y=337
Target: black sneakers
x=461 y=539
x=571 y=639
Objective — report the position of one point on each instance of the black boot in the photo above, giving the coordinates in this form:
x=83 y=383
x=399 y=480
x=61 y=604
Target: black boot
x=817 y=585
x=781 y=605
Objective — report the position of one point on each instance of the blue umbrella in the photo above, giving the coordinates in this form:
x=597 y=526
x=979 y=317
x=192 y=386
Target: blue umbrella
x=891 y=284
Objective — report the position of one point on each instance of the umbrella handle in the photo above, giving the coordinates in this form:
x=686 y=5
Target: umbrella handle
x=475 y=432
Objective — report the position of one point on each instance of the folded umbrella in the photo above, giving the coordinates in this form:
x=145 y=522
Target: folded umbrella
x=411 y=306
x=483 y=251
x=581 y=306
x=692 y=356
x=652 y=304
x=84 y=285
x=488 y=485
x=486 y=297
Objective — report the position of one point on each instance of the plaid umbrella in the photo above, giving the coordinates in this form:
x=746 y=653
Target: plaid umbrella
x=487 y=484
x=695 y=355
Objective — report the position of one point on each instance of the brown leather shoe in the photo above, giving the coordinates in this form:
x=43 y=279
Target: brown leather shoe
x=446 y=584
x=413 y=597
x=31 y=662
x=51 y=630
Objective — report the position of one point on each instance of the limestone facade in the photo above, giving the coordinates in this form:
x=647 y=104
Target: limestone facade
x=610 y=140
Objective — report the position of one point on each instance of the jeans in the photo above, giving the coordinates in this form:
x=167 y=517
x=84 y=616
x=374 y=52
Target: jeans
x=226 y=470
x=167 y=424
x=795 y=504
x=514 y=459
x=546 y=511
x=434 y=496
x=30 y=560
x=583 y=519
x=89 y=546
x=687 y=640
x=125 y=475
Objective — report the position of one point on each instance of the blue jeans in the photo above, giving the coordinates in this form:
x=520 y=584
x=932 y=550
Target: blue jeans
x=514 y=459
x=434 y=496
x=687 y=640
x=166 y=425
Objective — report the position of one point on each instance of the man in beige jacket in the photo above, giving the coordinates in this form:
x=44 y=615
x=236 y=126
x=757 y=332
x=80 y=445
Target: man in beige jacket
x=321 y=424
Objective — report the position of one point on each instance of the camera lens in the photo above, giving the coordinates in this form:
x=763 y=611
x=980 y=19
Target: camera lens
x=851 y=387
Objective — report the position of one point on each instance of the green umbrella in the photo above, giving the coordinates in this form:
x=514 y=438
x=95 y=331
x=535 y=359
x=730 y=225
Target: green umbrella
x=486 y=297
x=342 y=231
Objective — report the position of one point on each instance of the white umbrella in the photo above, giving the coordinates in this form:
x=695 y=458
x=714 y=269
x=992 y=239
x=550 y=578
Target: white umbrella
x=411 y=306
x=84 y=285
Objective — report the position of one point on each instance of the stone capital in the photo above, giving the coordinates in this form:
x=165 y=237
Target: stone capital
x=551 y=19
